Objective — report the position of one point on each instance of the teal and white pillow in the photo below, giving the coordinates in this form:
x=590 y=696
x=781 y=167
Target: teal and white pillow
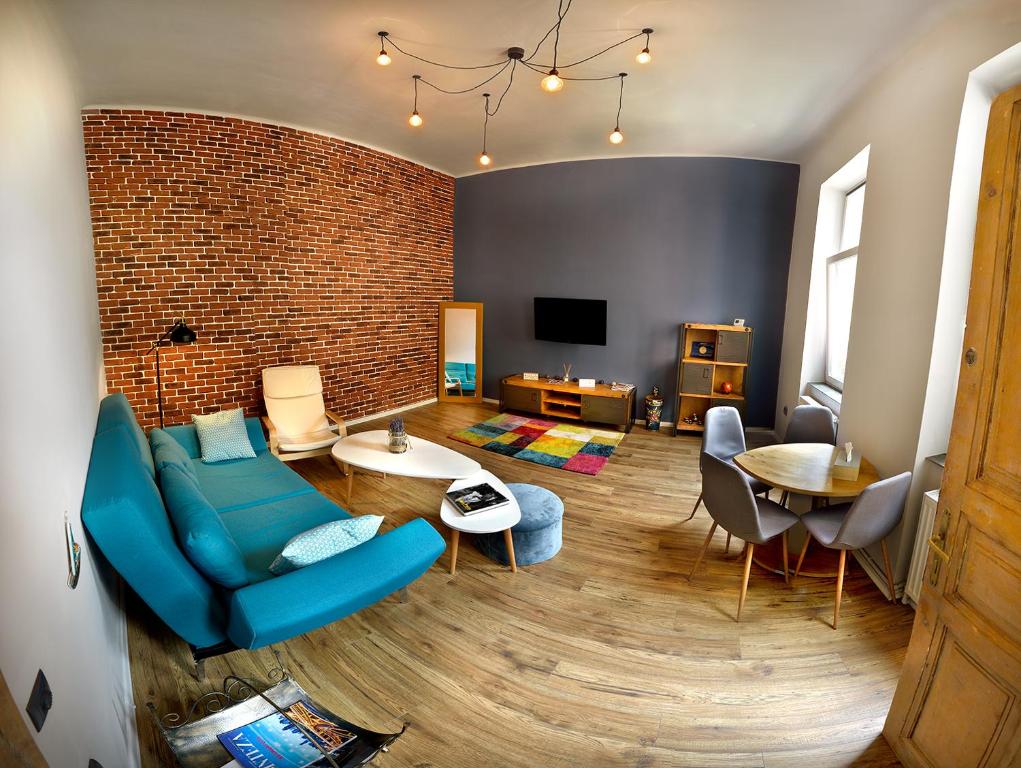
x=325 y=541
x=223 y=436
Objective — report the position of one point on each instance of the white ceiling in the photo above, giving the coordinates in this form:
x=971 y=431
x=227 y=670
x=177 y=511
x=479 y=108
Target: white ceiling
x=741 y=78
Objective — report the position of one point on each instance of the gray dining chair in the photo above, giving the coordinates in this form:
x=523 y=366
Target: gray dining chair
x=723 y=437
x=858 y=524
x=810 y=424
x=733 y=507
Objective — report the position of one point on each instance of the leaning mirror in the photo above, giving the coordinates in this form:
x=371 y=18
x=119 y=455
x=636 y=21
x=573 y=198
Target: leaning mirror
x=460 y=352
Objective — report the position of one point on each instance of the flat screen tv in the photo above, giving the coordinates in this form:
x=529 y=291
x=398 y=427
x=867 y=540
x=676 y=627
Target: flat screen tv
x=571 y=321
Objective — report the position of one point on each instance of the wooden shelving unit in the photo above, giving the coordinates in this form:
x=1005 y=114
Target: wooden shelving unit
x=566 y=400
x=700 y=380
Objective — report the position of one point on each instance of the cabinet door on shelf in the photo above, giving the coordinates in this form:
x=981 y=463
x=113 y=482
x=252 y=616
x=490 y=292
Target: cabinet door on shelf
x=604 y=410
x=732 y=346
x=522 y=398
x=697 y=379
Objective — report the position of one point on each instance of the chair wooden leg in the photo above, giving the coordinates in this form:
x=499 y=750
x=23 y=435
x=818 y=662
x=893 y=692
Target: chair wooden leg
x=840 y=586
x=801 y=557
x=783 y=498
x=889 y=572
x=726 y=551
x=705 y=546
x=693 y=509
x=744 y=580
x=786 y=579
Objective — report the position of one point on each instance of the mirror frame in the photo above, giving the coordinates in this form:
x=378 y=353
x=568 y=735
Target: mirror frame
x=442 y=395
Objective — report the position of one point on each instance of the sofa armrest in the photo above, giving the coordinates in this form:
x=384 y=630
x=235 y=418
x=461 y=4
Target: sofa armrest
x=319 y=594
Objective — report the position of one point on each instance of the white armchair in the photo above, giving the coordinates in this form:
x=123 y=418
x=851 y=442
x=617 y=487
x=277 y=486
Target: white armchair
x=298 y=422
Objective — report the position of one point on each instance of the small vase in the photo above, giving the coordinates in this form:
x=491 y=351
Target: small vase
x=398 y=442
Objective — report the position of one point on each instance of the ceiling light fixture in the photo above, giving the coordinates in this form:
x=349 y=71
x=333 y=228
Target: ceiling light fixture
x=553 y=79
x=416 y=119
x=383 y=58
x=616 y=137
x=484 y=159
x=644 y=57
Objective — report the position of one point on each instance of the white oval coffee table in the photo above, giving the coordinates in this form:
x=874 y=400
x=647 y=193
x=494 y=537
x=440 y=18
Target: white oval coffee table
x=500 y=519
x=370 y=450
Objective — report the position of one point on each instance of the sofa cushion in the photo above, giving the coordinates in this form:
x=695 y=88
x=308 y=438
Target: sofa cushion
x=115 y=411
x=167 y=451
x=325 y=541
x=284 y=606
x=261 y=532
x=203 y=536
x=125 y=517
x=186 y=435
x=223 y=436
x=246 y=482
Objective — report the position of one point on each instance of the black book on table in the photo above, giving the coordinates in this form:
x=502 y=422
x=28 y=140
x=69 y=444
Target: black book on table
x=476 y=498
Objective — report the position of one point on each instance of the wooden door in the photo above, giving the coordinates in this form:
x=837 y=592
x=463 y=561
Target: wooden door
x=958 y=702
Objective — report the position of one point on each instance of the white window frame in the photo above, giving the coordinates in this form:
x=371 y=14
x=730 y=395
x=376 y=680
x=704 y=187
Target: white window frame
x=838 y=384
x=833 y=381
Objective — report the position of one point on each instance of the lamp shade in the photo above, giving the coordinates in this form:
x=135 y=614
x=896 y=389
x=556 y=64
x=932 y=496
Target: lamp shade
x=181 y=333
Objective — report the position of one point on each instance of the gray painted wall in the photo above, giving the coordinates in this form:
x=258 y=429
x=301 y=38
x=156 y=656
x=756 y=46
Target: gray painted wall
x=664 y=240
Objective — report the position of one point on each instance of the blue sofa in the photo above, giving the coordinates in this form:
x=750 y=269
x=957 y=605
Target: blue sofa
x=462 y=372
x=261 y=504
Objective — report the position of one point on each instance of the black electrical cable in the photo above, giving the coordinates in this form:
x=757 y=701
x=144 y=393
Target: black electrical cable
x=485 y=125
x=620 y=101
x=437 y=63
x=594 y=55
x=542 y=71
x=472 y=88
x=499 y=101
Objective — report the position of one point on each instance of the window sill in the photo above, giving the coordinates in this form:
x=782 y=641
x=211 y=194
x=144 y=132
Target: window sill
x=825 y=395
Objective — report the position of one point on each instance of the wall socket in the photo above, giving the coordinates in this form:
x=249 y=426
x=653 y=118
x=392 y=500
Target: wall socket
x=40 y=701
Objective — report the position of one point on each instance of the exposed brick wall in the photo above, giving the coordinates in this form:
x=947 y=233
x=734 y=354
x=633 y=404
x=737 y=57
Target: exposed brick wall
x=277 y=246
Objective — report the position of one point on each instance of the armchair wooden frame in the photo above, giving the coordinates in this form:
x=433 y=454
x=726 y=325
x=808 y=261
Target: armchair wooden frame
x=274 y=439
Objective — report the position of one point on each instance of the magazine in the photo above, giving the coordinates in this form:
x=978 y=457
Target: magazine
x=476 y=498
x=276 y=742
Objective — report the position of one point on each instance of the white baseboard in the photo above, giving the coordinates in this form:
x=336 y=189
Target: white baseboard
x=391 y=412
x=492 y=400
x=875 y=572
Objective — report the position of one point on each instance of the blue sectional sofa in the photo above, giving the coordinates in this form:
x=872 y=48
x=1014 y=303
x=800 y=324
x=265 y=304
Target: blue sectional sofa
x=462 y=372
x=261 y=504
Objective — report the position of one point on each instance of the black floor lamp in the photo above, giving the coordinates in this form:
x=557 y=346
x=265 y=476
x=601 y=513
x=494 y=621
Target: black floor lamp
x=178 y=333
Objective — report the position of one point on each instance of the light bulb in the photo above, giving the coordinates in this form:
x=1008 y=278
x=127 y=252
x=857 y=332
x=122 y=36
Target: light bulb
x=415 y=120
x=644 y=57
x=552 y=83
x=616 y=137
x=485 y=160
x=383 y=59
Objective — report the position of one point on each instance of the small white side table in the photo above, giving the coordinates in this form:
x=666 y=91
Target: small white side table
x=500 y=519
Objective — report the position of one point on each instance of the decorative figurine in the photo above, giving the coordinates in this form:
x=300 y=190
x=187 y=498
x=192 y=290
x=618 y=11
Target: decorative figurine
x=726 y=387
x=653 y=410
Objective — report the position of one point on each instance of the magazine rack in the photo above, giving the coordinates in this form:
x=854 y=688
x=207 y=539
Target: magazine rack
x=194 y=737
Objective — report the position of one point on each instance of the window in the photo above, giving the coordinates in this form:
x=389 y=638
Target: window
x=840 y=273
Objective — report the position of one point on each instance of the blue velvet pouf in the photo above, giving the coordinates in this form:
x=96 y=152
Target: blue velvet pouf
x=539 y=533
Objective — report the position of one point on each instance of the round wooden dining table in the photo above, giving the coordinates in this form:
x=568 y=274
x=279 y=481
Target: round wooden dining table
x=804 y=469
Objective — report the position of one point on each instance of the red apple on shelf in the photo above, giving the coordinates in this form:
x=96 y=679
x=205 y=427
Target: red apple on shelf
x=726 y=388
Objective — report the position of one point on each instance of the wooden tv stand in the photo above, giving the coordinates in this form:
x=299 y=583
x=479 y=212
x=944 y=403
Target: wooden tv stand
x=559 y=400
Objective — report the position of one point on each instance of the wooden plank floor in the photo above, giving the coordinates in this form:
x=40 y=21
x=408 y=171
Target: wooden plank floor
x=604 y=656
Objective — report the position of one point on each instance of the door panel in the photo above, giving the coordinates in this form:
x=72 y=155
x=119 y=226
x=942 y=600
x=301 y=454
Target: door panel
x=938 y=735
x=957 y=701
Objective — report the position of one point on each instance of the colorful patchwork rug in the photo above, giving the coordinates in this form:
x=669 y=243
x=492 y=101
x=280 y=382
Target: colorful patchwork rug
x=575 y=448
